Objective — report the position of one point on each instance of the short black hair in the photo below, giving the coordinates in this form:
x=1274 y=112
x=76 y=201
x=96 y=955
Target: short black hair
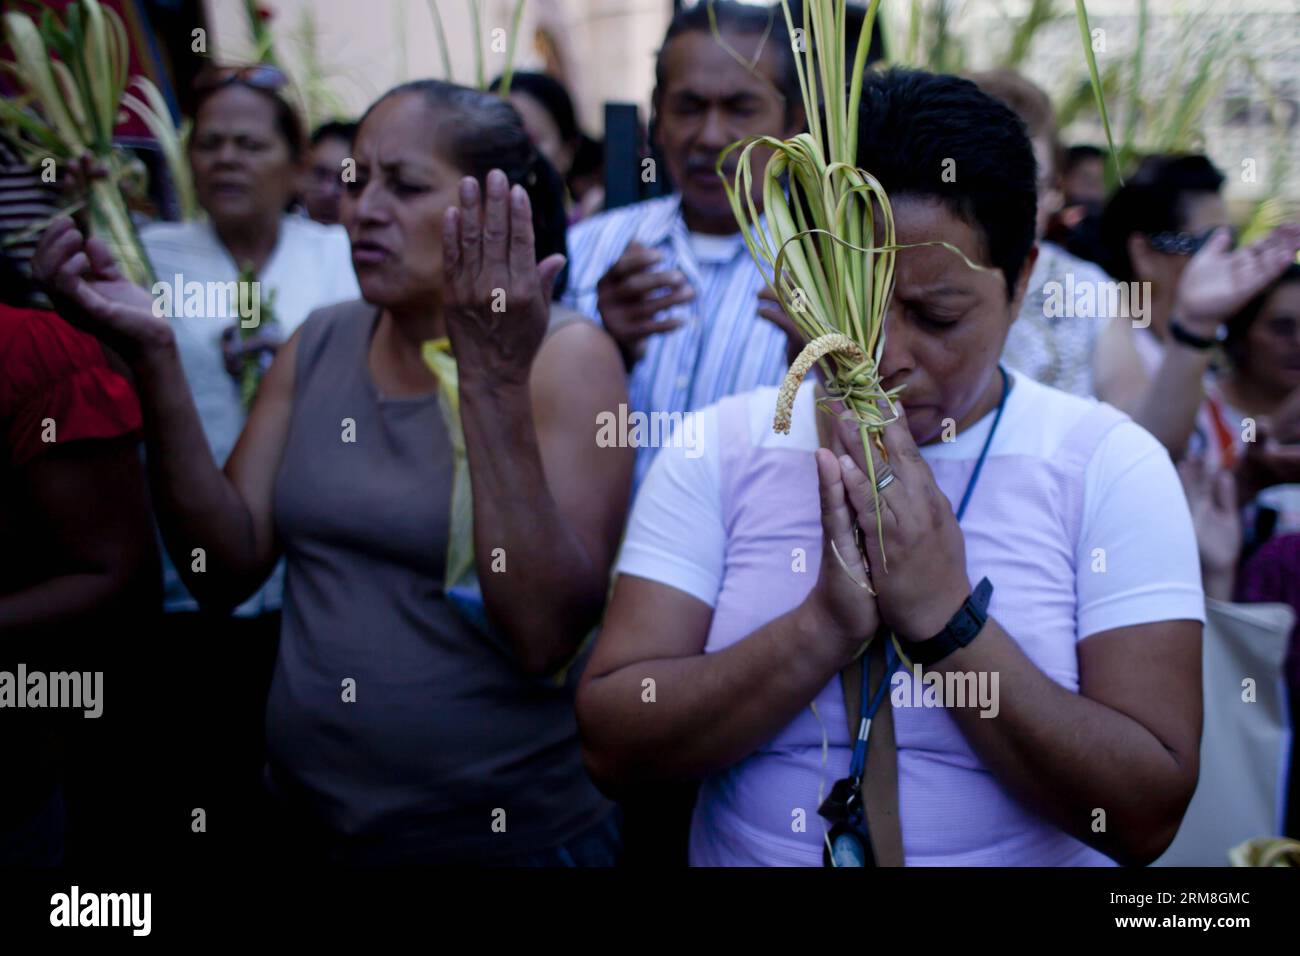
x=1081 y=153
x=551 y=94
x=345 y=130
x=913 y=126
x=747 y=20
x=1153 y=200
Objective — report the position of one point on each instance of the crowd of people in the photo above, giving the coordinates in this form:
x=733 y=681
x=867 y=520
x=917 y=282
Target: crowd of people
x=411 y=606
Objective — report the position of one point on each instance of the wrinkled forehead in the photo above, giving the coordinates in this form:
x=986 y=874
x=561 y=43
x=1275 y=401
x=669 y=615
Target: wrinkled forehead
x=235 y=110
x=403 y=129
x=696 y=62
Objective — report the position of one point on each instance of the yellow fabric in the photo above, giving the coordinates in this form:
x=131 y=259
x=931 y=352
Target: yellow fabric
x=460 y=578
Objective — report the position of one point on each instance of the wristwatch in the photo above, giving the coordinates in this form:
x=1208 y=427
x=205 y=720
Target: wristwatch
x=960 y=631
x=1194 y=341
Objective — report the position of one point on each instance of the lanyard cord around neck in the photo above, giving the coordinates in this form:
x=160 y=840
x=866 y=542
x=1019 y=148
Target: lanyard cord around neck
x=859 y=762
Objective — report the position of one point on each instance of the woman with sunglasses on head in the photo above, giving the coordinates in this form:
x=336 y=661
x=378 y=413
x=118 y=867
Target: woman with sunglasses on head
x=398 y=731
x=1166 y=228
x=246 y=154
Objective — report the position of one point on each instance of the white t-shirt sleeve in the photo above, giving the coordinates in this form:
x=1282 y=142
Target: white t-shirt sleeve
x=675 y=535
x=1137 y=559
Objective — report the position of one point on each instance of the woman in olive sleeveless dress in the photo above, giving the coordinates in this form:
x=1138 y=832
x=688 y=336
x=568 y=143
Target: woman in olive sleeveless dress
x=397 y=731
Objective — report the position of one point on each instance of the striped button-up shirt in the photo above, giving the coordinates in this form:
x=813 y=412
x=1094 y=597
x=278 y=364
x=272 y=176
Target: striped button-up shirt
x=722 y=348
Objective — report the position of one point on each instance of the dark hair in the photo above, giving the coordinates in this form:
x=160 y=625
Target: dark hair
x=287 y=123
x=335 y=129
x=1239 y=325
x=1153 y=200
x=553 y=97
x=1081 y=153
x=480 y=132
x=747 y=20
x=911 y=123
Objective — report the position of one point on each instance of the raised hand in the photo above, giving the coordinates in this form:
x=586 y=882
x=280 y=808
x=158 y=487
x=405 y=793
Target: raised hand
x=1212 y=499
x=1219 y=281
x=496 y=297
x=89 y=291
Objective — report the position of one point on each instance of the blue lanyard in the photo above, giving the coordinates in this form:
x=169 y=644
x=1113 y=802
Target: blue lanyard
x=858 y=764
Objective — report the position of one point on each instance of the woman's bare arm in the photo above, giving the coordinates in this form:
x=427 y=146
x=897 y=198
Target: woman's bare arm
x=214 y=520
x=549 y=502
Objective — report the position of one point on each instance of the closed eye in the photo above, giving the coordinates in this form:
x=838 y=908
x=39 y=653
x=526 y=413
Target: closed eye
x=931 y=319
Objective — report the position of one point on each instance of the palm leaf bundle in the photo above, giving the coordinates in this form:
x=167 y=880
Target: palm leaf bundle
x=153 y=110
x=251 y=368
x=71 y=77
x=828 y=248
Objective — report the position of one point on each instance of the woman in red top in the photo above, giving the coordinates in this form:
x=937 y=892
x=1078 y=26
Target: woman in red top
x=78 y=559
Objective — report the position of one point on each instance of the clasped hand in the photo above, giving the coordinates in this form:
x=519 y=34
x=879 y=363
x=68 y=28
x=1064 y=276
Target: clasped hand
x=918 y=575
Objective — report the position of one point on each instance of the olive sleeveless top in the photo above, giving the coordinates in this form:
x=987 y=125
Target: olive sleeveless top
x=390 y=719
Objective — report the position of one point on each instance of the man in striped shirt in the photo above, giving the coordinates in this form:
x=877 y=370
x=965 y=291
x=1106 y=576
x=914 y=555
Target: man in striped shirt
x=671 y=278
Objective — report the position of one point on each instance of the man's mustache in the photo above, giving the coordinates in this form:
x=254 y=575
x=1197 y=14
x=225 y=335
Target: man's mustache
x=710 y=165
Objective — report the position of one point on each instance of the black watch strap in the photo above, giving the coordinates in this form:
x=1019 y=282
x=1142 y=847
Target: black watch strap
x=1190 y=339
x=961 y=630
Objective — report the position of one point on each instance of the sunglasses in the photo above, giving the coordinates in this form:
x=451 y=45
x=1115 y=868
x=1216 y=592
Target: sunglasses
x=1183 y=243
x=259 y=77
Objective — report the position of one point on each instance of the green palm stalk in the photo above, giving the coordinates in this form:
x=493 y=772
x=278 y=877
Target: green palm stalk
x=156 y=115
x=67 y=107
x=476 y=28
x=828 y=249
x=263 y=41
x=250 y=370
x=1040 y=13
x=441 y=33
x=312 y=81
x=1094 y=75
x=508 y=73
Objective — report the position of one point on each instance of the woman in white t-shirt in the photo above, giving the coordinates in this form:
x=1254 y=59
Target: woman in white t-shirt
x=733 y=621
x=245 y=153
